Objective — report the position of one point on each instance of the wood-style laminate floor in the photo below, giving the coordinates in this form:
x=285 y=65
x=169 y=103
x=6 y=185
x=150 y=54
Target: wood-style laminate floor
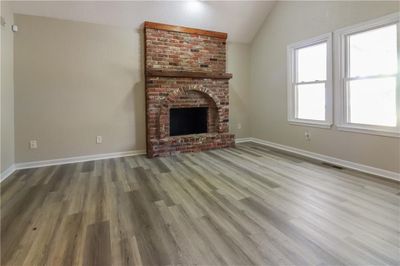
x=241 y=206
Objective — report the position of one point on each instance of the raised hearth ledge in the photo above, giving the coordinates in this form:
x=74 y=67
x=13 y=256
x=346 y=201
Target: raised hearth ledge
x=187 y=74
x=190 y=143
x=196 y=137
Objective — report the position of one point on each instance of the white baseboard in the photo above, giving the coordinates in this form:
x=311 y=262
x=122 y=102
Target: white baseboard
x=313 y=155
x=324 y=158
x=76 y=159
x=240 y=140
x=6 y=173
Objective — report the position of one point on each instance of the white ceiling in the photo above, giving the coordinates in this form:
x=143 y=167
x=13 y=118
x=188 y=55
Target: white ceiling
x=240 y=19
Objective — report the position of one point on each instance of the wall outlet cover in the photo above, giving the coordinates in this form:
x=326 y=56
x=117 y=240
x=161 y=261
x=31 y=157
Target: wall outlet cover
x=33 y=144
x=307 y=135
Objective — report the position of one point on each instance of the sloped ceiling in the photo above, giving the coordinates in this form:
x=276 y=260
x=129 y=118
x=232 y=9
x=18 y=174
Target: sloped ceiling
x=240 y=19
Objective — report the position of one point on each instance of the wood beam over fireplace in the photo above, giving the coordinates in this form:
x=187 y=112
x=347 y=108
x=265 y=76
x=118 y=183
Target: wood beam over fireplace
x=160 y=26
x=187 y=74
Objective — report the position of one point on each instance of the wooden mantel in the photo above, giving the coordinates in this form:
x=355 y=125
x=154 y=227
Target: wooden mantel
x=160 y=26
x=187 y=74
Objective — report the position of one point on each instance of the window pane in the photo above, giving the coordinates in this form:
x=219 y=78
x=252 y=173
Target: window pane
x=373 y=101
x=311 y=101
x=311 y=63
x=373 y=52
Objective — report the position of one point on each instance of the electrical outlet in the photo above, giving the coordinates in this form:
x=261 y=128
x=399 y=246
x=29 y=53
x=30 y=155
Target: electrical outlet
x=33 y=144
x=307 y=135
x=99 y=139
x=239 y=126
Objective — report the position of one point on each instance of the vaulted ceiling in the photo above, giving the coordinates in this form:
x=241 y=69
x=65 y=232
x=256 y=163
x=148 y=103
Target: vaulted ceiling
x=240 y=19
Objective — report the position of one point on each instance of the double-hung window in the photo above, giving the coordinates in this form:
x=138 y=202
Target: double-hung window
x=310 y=82
x=367 y=68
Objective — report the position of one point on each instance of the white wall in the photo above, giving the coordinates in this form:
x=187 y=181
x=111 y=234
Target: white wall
x=7 y=89
x=289 y=22
x=77 y=80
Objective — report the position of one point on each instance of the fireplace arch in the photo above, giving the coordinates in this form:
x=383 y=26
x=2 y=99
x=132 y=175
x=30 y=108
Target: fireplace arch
x=193 y=96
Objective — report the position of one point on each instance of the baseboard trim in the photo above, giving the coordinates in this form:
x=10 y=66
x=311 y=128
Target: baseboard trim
x=6 y=173
x=240 y=140
x=320 y=157
x=324 y=158
x=76 y=159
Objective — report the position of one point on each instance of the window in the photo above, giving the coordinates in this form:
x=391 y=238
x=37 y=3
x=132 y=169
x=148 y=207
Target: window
x=367 y=67
x=310 y=82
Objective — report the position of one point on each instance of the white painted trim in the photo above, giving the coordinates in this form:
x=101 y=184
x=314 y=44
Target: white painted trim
x=367 y=130
x=306 y=123
x=324 y=158
x=369 y=24
x=291 y=82
x=76 y=159
x=240 y=140
x=341 y=96
x=6 y=173
x=320 y=157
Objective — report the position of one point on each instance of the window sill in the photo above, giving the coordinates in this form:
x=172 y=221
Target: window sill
x=358 y=129
x=310 y=123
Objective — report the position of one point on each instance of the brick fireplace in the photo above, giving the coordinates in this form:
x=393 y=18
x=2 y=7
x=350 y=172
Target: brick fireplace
x=187 y=90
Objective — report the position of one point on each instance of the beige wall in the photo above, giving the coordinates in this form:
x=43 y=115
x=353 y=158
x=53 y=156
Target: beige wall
x=7 y=89
x=238 y=63
x=289 y=22
x=75 y=80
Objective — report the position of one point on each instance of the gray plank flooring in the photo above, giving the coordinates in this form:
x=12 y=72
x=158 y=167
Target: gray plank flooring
x=247 y=205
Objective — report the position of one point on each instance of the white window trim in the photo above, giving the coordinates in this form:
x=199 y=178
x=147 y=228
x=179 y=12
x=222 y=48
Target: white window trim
x=291 y=65
x=340 y=74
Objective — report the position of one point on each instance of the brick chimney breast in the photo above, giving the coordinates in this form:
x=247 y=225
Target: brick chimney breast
x=185 y=68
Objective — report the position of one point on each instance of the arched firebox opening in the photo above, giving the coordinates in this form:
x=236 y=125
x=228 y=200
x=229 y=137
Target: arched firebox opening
x=189 y=111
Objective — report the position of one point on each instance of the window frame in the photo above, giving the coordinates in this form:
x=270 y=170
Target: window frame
x=291 y=82
x=341 y=78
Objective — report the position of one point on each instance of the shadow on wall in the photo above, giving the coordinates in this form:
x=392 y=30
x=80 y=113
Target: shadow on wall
x=134 y=101
x=139 y=98
x=139 y=115
x=238 y=117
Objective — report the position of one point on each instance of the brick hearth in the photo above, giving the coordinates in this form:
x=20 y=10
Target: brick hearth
x=185 y=68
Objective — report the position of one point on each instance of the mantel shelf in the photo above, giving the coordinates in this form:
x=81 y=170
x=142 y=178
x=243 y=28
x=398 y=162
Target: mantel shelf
x=187 y=74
